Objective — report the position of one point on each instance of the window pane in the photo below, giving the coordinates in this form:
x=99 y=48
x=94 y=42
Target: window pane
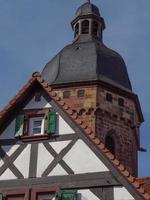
x=37 y=123
x=45 y=197
x=37 y=126
x=15 y=198
x=36 y=130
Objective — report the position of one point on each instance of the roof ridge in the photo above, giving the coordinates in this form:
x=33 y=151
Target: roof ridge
x=90 y=134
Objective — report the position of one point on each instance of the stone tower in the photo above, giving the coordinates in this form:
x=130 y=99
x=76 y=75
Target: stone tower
x=93 y=80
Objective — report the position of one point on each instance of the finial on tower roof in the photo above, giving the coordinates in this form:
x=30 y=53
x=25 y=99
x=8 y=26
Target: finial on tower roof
x=88 y=1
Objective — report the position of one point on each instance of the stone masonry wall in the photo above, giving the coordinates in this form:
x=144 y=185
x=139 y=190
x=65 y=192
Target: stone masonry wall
x=107 y=118
x=84 y=106
x=118 y=121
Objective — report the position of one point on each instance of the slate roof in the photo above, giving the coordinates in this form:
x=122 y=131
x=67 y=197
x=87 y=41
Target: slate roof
x=136 y=183
x=87 y=59
x=86 y=9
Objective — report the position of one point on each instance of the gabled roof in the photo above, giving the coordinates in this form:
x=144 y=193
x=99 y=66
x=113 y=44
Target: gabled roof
x=136 y=184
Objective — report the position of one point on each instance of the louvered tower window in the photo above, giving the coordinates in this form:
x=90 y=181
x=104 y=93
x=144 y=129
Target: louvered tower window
x=85 y=27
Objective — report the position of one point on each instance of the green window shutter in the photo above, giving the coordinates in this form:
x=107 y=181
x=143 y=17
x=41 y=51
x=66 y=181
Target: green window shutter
x=67 y=195
x=52 y=121
x=19 y=125
x=59 y=195
x=1 y=197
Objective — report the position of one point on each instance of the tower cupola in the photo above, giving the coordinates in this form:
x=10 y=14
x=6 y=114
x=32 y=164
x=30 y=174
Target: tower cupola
x=88 y=21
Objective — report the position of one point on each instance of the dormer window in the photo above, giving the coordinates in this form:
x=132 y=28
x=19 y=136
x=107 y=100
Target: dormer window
x=36 y=123
x=85 y=27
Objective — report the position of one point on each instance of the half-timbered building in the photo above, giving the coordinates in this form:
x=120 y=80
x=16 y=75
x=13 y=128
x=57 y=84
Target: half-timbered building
x=72 y=132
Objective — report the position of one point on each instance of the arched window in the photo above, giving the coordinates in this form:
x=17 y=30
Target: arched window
x=110 y=144
x=95 y=28
x=76 y=29
x=85 y=27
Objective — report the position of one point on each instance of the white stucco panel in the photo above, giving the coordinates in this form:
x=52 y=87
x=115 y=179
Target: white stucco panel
x=86 y=195
x=37 y=105
x=81 y=159
x=121 y=193
x=10 y=149
x=63 y=127
x=58 y=171
x=44 y=159
x=59 y=146
x=23 y=161
x=1 y=162
x=9 y=132
x=7 y=175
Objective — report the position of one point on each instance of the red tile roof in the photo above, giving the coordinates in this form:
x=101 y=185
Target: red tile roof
x=137 y=183
x=145 y=182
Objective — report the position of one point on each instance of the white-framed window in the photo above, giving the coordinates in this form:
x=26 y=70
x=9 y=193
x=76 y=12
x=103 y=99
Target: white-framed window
x=36 y=126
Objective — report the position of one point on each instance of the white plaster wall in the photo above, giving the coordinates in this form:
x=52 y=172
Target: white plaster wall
x=81 y=159
x=86 y=195
x=121 y=193
x=10 y=149
x=37 y=105
x=59 y=146
x=44 y=159
x=7 y=175
x=58 y=171
x=9 y=131
x=63 y=127
x=23 y=160
x=1 y=162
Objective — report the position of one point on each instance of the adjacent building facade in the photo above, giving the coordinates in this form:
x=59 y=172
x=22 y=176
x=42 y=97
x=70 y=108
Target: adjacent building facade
x=72 y=132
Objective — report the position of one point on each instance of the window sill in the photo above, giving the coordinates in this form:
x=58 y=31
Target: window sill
x=34 y=138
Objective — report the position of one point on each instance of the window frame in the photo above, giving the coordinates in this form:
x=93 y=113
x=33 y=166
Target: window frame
x=36 y=191
x=17 y=193
x=85 y=27
x=31 y=125
x=35 y=113
x=95 y=28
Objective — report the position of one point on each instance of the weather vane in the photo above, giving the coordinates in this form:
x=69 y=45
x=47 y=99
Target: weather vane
x=89 y=1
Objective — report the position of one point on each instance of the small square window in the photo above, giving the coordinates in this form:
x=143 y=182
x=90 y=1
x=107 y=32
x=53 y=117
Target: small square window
x=36 y=126
x=109 y=97
x=66 y=94
x=121 y=102
x=81 y=93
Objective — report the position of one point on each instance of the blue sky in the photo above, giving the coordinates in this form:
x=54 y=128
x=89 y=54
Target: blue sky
x=33 y=31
